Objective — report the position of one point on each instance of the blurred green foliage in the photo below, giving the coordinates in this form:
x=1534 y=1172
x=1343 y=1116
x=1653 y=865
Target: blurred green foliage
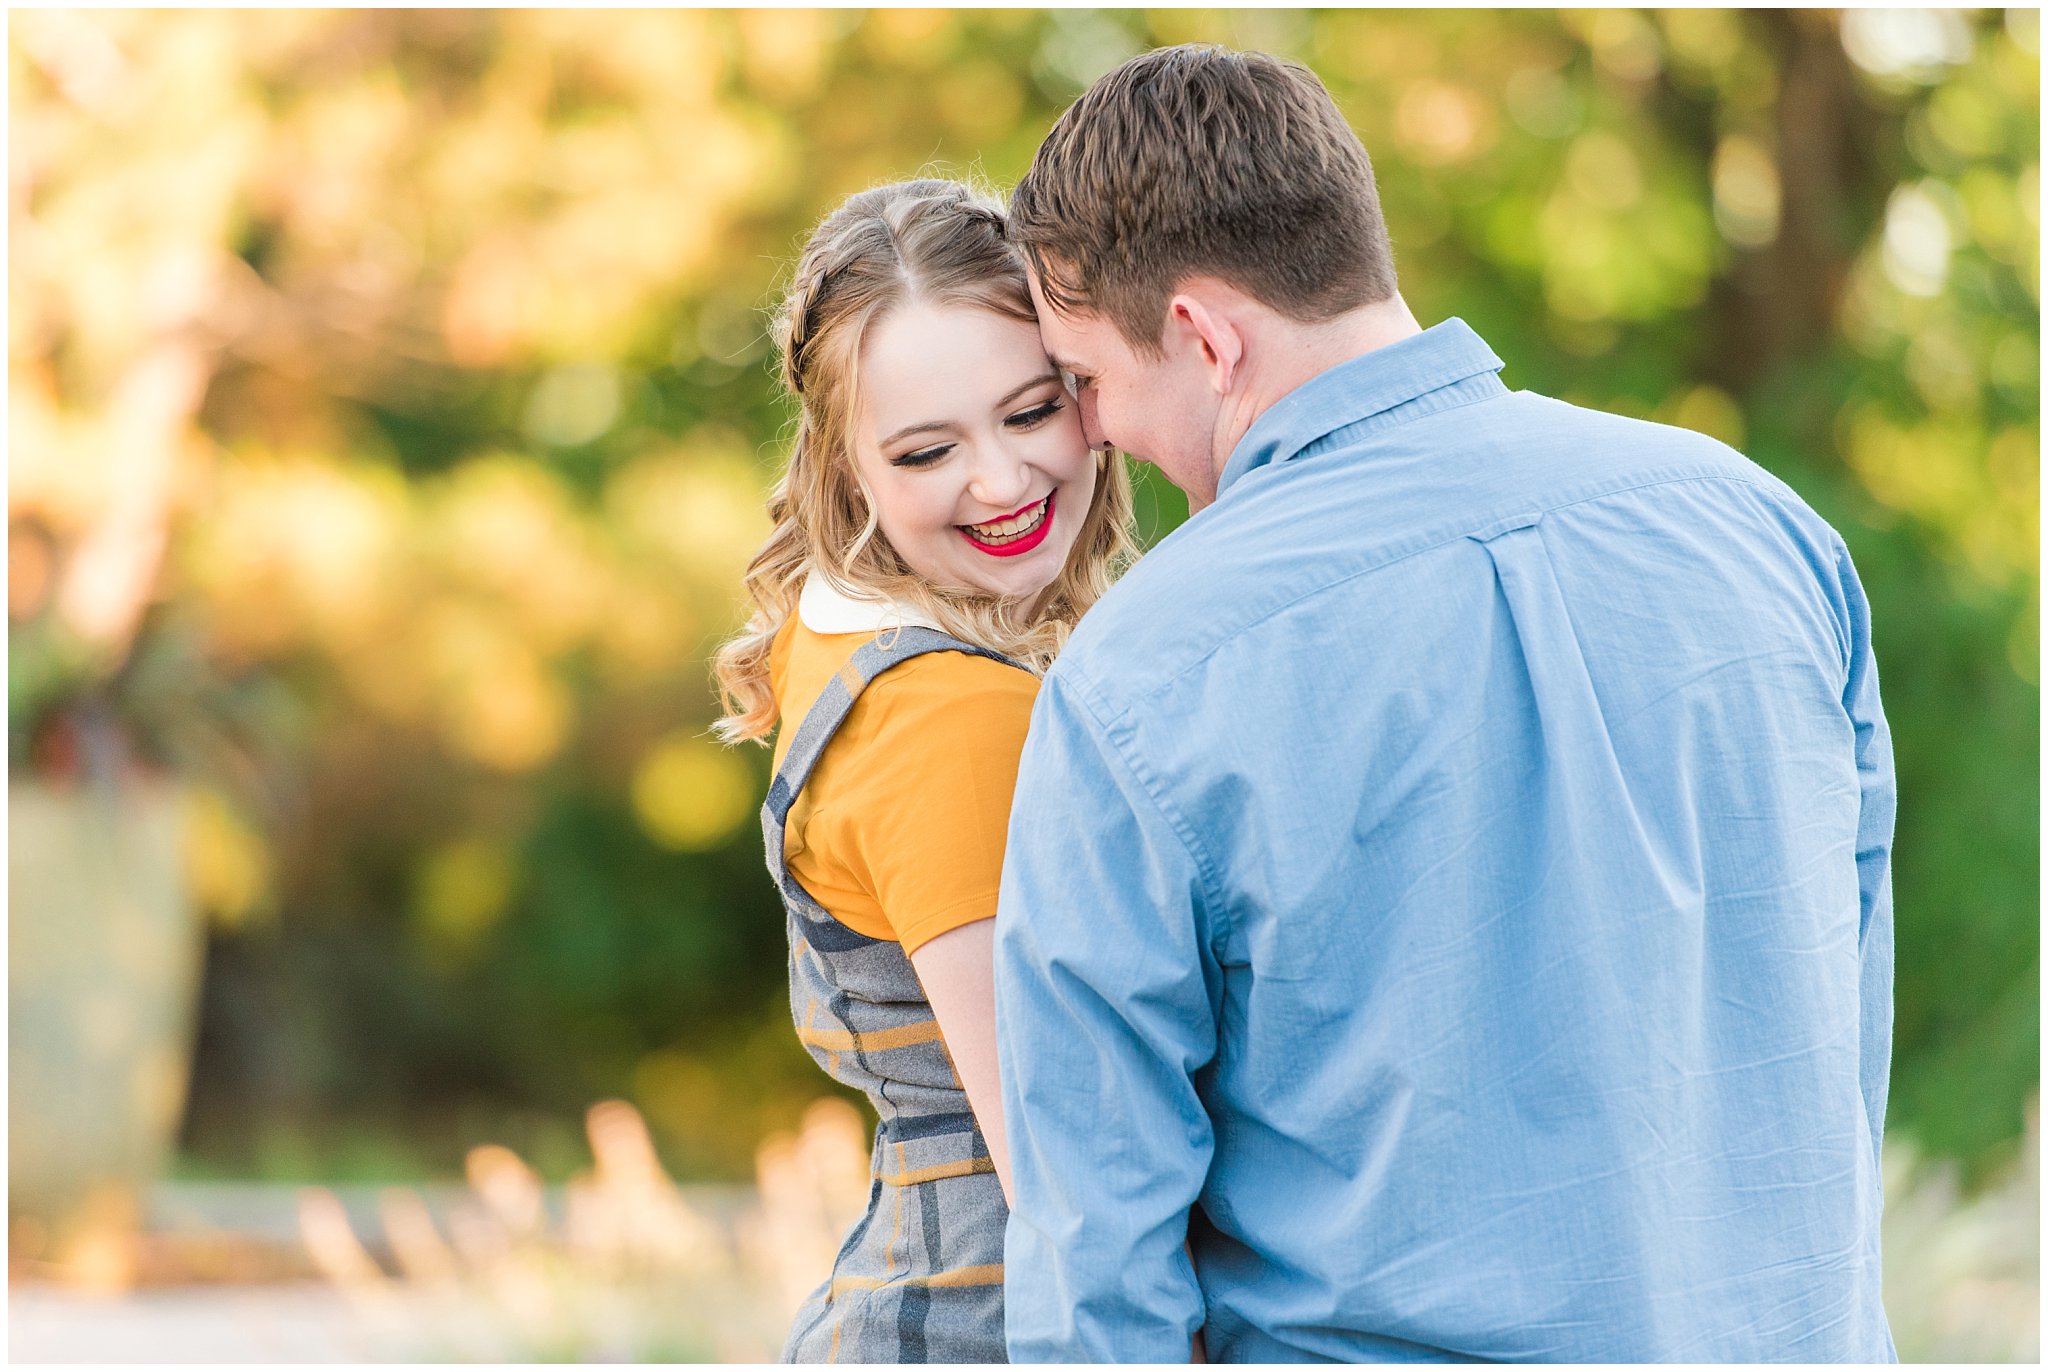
x=429 y=347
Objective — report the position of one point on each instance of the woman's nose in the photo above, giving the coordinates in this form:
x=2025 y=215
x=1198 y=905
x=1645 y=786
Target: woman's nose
x=1001 y=480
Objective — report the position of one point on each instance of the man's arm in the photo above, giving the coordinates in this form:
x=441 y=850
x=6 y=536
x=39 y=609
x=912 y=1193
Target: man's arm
x=1105 y=986
x=1879 y=788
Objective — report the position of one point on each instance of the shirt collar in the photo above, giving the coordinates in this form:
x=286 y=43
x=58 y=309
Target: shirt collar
x=823 y=608
x=1371 y=384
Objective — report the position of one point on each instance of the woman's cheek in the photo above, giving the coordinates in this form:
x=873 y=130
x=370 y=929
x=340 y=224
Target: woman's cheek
x=901 y=516
x=1065 y=451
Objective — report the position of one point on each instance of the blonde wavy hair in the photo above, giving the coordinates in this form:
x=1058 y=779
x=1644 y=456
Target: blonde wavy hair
x=940 y=242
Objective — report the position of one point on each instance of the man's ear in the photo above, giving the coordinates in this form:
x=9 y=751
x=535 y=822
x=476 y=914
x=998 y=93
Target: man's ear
x=1210 y=329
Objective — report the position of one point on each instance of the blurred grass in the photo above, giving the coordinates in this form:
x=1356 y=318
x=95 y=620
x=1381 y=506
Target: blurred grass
x=1963 y=1265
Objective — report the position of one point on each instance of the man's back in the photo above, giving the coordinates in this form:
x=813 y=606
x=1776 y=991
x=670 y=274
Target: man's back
x=1457 y=859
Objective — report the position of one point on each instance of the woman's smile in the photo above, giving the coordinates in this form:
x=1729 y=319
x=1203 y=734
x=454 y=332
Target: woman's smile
x=1014 y=533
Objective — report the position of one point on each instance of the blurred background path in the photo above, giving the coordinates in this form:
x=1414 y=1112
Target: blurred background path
x=311 y=1323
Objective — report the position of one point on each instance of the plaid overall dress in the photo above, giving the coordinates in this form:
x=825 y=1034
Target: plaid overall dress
x=920 y=1277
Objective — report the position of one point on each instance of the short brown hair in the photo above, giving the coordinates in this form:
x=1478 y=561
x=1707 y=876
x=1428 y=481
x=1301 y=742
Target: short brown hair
x=1198 y=160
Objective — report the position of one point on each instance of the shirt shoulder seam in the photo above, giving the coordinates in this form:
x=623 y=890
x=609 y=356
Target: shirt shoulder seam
x=1108 y=719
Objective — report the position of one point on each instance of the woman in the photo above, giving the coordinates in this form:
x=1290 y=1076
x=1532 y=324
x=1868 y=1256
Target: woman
x=941 y=526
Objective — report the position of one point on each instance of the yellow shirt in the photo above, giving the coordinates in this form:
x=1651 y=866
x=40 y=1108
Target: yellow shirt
x=899 y=833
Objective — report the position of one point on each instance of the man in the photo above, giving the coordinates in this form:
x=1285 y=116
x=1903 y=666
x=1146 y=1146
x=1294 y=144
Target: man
x=1446 y=909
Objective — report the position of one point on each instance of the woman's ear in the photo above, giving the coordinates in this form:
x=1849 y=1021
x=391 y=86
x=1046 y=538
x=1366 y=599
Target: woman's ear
x=1207 y=328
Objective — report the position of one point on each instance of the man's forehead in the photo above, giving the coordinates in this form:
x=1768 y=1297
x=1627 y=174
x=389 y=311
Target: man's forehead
x=1063 y=356
x=1070 y=322
x=1067 y=344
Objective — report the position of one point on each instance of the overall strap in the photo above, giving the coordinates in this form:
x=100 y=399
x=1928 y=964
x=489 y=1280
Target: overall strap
x=834 y=703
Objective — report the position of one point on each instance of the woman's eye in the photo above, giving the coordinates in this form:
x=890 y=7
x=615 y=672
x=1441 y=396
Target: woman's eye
x=1036 y=415
x=923 y=457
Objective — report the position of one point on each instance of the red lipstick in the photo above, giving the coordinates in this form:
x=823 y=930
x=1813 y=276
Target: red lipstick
x=1018 y=546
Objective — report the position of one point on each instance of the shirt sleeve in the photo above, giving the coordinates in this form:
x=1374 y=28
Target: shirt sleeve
x=1878 y=788
x=926 y=816
x=1105 y=1009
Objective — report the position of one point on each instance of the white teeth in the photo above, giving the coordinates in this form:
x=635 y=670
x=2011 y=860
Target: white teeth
x=1004 y=530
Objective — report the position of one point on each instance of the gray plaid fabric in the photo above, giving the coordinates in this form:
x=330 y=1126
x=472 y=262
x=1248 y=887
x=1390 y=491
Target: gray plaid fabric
x=920 y=1277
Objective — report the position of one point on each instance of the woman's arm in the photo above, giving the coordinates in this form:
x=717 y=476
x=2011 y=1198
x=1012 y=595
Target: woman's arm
x=958 y=972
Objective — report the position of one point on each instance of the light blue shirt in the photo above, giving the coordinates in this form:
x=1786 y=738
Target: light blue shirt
x=1454 y=866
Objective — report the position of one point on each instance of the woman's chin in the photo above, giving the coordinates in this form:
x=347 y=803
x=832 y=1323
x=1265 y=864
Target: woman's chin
x=1026 y=577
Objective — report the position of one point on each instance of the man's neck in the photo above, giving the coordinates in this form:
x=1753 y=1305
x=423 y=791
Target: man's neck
x=1287 y=353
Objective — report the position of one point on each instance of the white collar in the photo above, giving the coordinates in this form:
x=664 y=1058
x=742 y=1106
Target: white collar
x=825 y=609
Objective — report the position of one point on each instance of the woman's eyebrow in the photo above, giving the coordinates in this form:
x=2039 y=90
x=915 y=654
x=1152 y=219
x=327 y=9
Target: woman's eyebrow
x=928 y=426
x=1034 y=381
x=942 y=426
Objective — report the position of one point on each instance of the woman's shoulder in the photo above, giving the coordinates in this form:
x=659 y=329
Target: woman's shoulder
x=803 y=660
x=943 y=692
x=914 y=792
x=949 y=692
